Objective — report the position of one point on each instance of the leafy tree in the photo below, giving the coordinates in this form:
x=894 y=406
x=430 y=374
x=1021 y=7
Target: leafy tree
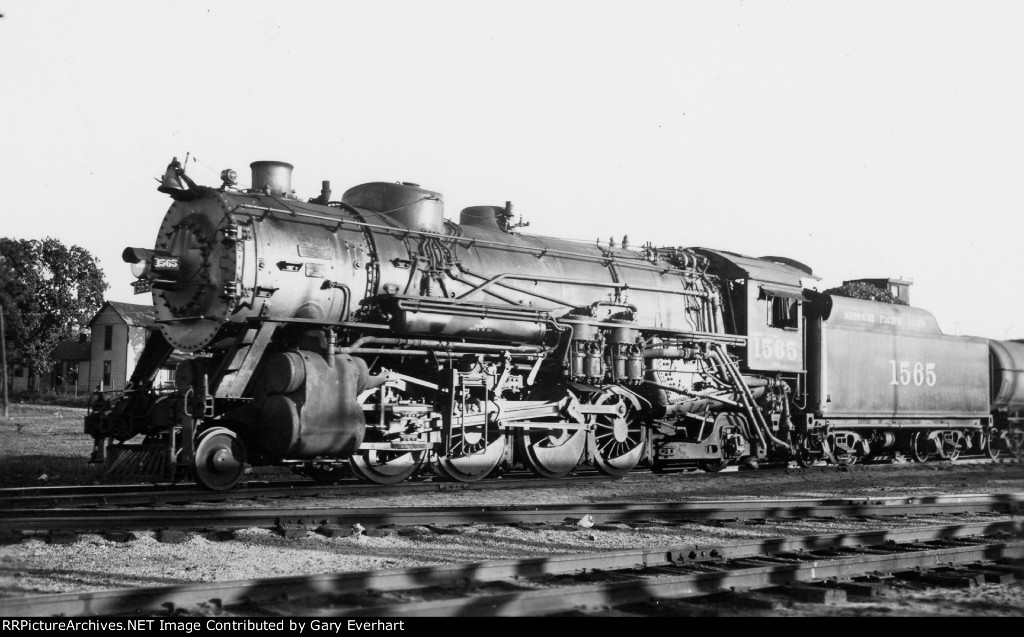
x=49 y=293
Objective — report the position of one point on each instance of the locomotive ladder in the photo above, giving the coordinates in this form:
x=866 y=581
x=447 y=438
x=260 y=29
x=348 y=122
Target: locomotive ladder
x=461 y=382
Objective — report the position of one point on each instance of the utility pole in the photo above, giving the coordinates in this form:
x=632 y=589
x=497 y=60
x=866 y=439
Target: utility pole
x=3 y=351
x=3 y=355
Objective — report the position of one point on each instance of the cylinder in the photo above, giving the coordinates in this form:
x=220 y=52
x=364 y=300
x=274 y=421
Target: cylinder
x=285 y=372
x=619 y=354
x=593 y=366
x=635 y=363
x=625 y=335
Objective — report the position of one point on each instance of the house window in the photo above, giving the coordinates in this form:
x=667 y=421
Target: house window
x=784 y=312
x=19 y=372
x=108 y=337
x=106 y=373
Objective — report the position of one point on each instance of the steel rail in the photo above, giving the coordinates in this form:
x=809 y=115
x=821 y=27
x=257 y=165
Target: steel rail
x=165 y=599
x=312 y=518
x=155 y=494
x=550 y=600
x=186 y=492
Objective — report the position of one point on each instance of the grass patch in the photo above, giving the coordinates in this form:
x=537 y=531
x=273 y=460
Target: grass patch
x=40 y=440
x=49 y=440
x=52 y=399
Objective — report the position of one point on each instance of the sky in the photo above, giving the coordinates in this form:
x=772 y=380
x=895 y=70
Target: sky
x=867 y=139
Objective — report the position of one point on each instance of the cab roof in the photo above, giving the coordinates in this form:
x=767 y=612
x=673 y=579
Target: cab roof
x=779 y=270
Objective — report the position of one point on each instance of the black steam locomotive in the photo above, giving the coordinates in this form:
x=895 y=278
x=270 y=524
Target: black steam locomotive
x=372 y=336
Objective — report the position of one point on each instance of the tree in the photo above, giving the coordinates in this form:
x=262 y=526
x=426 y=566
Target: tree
x=49 y=293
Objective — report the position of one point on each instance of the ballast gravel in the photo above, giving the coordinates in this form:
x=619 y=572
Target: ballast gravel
x=97 y=562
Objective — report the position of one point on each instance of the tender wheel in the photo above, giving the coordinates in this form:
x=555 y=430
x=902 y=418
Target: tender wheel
x=618 y=440
x=808 y=451
x=990 y=450
x=387 y=467
x=1014 y=442
x=219 y=459
x=713 y=466
x=920 y=448
x=954 y=453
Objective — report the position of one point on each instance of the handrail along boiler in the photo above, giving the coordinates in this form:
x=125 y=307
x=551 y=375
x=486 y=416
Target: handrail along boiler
x=374 y=336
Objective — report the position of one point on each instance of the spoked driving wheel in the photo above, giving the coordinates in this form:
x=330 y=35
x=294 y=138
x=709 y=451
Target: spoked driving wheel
x=219 y=459
x=475 y=448
x=384 y=466
x=618 y=440
x=387 y=467
x=554 y=452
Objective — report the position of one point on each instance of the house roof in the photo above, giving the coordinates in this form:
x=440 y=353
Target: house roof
x=132 y=313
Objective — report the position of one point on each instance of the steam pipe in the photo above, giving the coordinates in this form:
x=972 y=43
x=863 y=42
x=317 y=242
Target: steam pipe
x=759 y=424
x=435 y=346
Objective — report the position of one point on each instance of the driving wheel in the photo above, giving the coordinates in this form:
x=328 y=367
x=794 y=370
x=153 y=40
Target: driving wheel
x=384 y=466
x=618 y=440
x=474 y=449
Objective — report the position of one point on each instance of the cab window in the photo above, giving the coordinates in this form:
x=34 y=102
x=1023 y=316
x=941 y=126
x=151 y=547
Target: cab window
x=783 y=312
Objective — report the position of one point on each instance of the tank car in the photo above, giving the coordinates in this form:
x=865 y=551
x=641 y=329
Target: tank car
x=373 y=336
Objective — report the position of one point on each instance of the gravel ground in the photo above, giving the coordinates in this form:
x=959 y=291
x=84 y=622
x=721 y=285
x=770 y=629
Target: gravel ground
x=95 y=563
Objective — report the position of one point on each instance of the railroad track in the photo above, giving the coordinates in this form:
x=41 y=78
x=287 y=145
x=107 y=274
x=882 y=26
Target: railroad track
x=294 y=522
x=188 y=493
x=823 y=565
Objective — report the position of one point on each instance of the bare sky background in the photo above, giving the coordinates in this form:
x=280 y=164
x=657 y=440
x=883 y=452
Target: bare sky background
x=866 y=139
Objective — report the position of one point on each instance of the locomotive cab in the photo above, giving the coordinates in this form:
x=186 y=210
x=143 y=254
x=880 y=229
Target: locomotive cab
x=764 y=303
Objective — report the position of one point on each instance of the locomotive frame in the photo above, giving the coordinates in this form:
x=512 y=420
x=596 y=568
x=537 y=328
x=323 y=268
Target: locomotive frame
x=372 y=336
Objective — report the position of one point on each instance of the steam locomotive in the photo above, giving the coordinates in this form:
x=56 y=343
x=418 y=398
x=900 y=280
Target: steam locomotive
x=372 y=336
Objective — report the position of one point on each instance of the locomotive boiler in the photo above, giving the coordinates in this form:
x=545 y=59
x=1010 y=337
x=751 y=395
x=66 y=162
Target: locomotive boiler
x=373 y=336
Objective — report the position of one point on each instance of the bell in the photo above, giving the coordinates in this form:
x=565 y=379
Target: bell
x=171 y=183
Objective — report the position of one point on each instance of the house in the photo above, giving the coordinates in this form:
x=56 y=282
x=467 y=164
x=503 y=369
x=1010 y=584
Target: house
x=119 y=334
x=106 y=361
x=70 y=373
